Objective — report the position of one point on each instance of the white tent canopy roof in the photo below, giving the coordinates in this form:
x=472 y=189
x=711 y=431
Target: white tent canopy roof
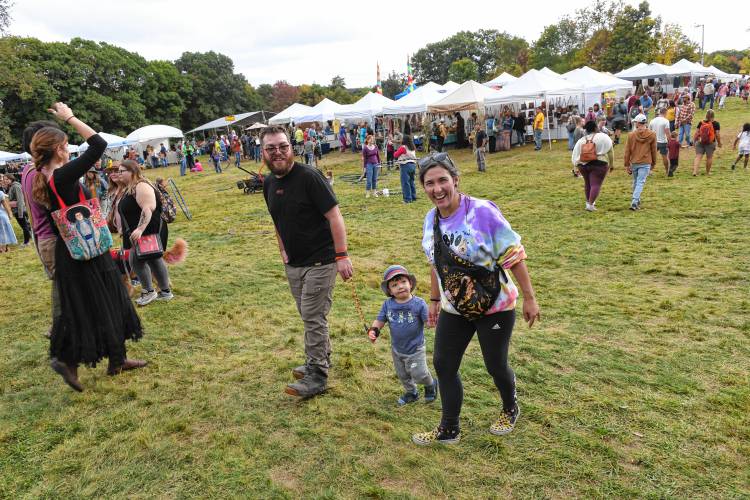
x=450 y=85
x=6 y=156
x=549 y=72
x=717 y=72
x=256 y=126
x=417 y=100
x=368 y=106
x=501 y=80
x=290 y=113
x=223 y=122
x=631 y=70
x=470 y=95
x=534 y=84
x=322 y=112
x=151 y=132
x=596 y=82
x=685 y=67
x=113 y=142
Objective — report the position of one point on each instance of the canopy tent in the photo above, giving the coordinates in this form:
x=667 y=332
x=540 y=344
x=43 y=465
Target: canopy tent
x=470 y=95
x=718 y=73
x=5 y=156
x=596 y=83
x=289 y=114
x=322 y=112
x=368 y=106
x=72 y=148
x=226 y=121
x=113 y=142
x=501 y=80
x=534 y=84
x=653 y=70
x=256 y=126
x=683 y=67
x=450 y=86
x=549 y=72
x=154 y=132
x=418 y=100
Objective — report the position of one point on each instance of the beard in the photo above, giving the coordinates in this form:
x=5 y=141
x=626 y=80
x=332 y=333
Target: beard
x=279 y=164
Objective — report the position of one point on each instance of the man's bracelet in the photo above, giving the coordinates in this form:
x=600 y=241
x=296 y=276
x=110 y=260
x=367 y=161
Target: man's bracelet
x=434 y=300
x=70 y=118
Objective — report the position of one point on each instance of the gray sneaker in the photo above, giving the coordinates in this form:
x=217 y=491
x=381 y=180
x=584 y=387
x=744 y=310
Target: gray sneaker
x=165 y=296
x=146 y=298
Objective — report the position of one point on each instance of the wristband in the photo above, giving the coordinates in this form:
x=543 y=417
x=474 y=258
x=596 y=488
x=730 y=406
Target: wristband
x=341 y=258
x=376 y=330
x=341 y=254
x=434 y=300
x=70 y=118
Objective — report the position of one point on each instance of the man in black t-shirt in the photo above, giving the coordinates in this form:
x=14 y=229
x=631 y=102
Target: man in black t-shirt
x=480 y=140
x=312 y=240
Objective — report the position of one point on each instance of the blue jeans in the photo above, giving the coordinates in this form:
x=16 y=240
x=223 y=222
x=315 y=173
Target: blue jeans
x=538 y=138
x=256 y=151
x=408 y=190
x=371 y=174
x=237 y=158
x=685 y=129
x=640 y=173
x=217 y=164
x=708 y=99
x=309 y=159
x=183 y=166
x=164 y=162
x=521 y=137
x=571 y=144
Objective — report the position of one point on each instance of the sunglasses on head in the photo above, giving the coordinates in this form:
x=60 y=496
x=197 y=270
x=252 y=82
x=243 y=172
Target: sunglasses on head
x=436 y=159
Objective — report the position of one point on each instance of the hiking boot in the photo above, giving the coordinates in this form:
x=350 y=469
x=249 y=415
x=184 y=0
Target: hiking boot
x=69 y=374
x=128 y=364
x=313 y=383
x=506 y=422
x=407 y=397
x=299 y=372
x=146 y=298
x=165 y=295
x=430 y=392
x=439 y=434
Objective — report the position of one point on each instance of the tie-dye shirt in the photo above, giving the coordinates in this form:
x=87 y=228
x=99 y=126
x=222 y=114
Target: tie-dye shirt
x=478 y=232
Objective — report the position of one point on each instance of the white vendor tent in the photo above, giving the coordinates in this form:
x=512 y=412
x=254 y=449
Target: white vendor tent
x=534 y=84
x=683 y=67
x=5 y=156
x=450 y=86
x=596 y=83
x=72 y=148
x=549 y=72
x=257 y=126
x=368 y=106
x=718 y=73
x=289 y=114
x=501 y=80
x=113 y=142
x=154 y=132
x=417 y=100
x=322 y=112
x=653 y=70
x=226 y=121
x=470 y=95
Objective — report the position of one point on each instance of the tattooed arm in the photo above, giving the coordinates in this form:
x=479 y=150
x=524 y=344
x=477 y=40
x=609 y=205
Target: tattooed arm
x=146 y=199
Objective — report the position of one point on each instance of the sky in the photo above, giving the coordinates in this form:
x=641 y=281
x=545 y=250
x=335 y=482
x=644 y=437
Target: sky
x=311 y=42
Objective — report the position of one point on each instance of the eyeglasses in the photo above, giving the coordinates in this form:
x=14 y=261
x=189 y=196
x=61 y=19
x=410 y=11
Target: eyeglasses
x=436 y=159
x=272 y=149
x=120 y=171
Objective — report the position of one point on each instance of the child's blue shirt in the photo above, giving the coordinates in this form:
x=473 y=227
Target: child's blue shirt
x=406 y=322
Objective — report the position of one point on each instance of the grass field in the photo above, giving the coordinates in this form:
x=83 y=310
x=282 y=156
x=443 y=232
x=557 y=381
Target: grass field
x=635 y=384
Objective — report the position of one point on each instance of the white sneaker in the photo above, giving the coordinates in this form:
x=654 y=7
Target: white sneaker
x=146 y=298
x=165 y=296
x=590 y=207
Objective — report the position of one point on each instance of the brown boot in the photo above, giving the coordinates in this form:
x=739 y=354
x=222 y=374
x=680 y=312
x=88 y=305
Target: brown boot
x=68 y=373
x=129 y=364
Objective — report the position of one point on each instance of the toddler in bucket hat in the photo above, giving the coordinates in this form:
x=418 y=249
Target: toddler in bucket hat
x=406 y=316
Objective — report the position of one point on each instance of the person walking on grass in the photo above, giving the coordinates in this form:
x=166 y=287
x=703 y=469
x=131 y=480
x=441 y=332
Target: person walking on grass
x=406 y=315
x=311 y=235
x=684 y=120
x=470 y=245
x=673 y=148
x=640 y=157
x=707 y=138
x=480 y=139
x=371 y=166
x=538 y=128
x=660 y=126
x=593 y=157
x=743 y=139
x=406 y=156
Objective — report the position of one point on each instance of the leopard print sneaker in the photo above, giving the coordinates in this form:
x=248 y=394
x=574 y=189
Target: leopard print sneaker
x=506 y=422
x=437 y=435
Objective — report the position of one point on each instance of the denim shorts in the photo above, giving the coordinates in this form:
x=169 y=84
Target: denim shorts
x=705 y=149
x=661 y=147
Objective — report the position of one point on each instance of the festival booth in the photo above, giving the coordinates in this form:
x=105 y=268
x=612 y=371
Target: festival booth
x=535 y=88
x=500 y=81
x=115 y=146
x=233 y=120
x=408 y=114
x=545 y=70
x=597 y=85
x=323 y=112
x=631 y=70
x=365 y=109
x=721 y=75
x=155 y=136
x=9 y=157
x=287 y=116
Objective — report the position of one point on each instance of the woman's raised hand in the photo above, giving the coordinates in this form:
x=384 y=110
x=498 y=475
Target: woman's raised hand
x=61 y=111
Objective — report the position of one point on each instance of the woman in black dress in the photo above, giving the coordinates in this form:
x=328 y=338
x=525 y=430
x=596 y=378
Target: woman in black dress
x=97 y=314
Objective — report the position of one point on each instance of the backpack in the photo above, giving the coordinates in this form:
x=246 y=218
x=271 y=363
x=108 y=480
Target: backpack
x=168 y=208
x=706 y=134
x=588 y=151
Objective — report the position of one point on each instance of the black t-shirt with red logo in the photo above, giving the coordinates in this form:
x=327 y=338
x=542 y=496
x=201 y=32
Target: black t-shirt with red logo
x=297 y=203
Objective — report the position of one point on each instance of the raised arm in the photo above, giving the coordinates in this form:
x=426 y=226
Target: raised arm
x=74 y=169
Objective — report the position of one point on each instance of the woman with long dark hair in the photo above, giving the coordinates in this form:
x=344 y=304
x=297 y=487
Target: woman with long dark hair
x=97 y=315
x=470 y=246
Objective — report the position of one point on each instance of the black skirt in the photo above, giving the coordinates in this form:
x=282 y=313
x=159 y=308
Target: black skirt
x=97 y=315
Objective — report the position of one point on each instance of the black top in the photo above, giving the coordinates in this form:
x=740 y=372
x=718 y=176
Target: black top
x=297 y=203
x=66 y=177
x=479 y=138
x=130 y=213
x=519 y=123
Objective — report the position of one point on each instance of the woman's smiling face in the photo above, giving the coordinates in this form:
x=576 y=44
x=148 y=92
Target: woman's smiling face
x=442 y=189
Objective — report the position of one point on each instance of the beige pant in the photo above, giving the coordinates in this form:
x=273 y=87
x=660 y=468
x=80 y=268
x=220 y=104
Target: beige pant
x=312 y=289
x=46 y=250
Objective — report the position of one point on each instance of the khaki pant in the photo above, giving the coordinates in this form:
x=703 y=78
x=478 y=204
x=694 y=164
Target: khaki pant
x=312 y=289
x=46 y=250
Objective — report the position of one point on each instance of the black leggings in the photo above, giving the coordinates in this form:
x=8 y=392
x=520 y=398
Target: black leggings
x=452 y=337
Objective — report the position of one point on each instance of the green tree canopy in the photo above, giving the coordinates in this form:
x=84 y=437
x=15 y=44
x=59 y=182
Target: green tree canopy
x=463 y=70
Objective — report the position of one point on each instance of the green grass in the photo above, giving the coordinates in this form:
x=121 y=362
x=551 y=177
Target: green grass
x=635 y=384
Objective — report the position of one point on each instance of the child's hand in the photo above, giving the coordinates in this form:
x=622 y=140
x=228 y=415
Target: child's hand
x=372 y=336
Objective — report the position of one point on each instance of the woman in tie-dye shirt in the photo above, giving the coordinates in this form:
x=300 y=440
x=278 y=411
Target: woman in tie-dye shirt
x=475 y=231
